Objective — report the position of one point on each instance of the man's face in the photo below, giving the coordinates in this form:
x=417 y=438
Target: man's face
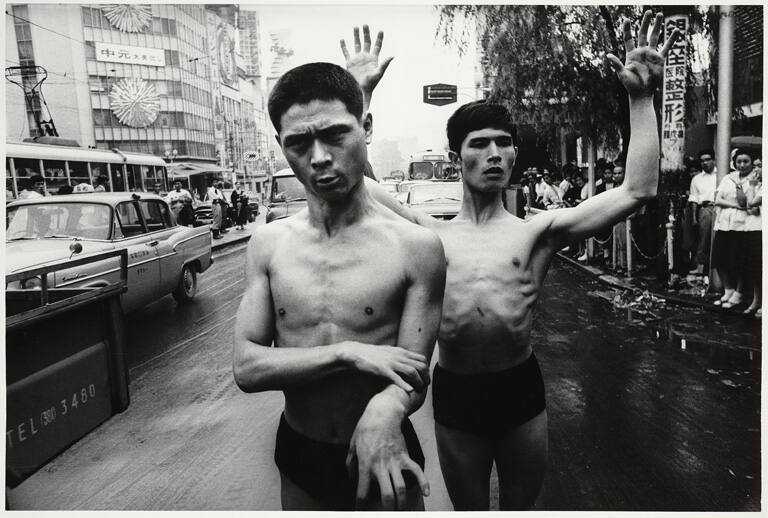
x=580 y=181
x=487 y=157
x=177 y=186
x=608 y=175
x=325 y=145
x=547 y=179
x=40 y=187
x=618 y=174
x=707 y=162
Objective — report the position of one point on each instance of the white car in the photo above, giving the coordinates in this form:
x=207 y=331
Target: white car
x=163 y=257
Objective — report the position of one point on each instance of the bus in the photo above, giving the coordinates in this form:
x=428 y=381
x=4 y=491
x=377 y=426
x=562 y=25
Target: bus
x=63 y=161
x=432 y=165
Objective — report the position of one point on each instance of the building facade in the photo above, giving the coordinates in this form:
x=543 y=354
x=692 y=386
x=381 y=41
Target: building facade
x=161 y=79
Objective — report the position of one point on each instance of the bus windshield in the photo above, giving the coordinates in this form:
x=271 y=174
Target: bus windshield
x=446 y=171
x=421 y=171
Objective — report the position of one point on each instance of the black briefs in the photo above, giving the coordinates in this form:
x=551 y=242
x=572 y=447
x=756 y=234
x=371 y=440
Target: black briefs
x=488 y=403
x=319 y=468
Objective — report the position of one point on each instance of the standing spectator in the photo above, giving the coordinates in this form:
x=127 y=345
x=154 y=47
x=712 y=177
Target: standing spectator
x=180 y=201
x=552 y=197
x=702 y=201
x=239 y=201
x=215 y=196
x=35 y=188
x=737 y=232
x=606 y=182
x=620 y=228
x=753 y=263
x=224 y=209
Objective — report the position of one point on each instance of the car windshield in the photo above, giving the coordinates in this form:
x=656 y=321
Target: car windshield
x=421 y=171
x=52 y=220
x=438 y=192
x=287 y=188
x=446 y=171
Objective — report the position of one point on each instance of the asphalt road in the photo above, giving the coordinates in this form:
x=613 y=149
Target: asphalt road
x=636 y=421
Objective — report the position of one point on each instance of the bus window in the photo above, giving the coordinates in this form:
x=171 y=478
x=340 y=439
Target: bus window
x=446 y=171
x=134 y=178
x=55 y=175
x=162 y=175
x=118 y=178
x=421 y=171
x=10 y=187
x=26 y=167
x=99 y=169
x=78 y=173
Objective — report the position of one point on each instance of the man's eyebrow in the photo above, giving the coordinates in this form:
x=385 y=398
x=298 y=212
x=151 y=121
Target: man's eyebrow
x=296 y=137
x=334 y=128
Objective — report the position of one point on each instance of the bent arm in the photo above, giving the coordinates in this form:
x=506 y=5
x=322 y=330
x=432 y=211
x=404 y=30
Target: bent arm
x=640 y=183
x=722 y=199
x=420 y=321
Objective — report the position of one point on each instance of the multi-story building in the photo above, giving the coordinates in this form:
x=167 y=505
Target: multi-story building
x=161 y=79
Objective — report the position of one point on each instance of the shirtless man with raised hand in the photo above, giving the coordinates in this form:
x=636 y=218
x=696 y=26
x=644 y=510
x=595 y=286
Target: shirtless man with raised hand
x=350 y=295
x=488 y=392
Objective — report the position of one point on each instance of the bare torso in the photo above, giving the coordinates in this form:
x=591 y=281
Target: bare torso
x=494 y=273
x=325 y=290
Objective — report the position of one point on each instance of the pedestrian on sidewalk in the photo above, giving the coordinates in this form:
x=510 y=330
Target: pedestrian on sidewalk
x=737 y=247
x=214 y=197
x=702 y=204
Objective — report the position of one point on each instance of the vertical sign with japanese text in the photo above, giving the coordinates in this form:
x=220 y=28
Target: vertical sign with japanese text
x=673 y=96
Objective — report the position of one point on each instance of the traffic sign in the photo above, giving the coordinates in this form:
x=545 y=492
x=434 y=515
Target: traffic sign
x=439 y=94
x=251 y=156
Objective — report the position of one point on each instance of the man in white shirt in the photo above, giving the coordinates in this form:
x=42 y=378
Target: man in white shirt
x=36 y=188
x=552 y=197
x=216 y=197
x=177 y=198
x=702 y=199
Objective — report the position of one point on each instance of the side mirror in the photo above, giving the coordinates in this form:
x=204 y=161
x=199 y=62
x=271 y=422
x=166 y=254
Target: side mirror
x=75 y=248
x=280 y=196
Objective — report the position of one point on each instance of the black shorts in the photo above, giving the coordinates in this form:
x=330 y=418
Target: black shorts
x=489 y=403
x=320 y=469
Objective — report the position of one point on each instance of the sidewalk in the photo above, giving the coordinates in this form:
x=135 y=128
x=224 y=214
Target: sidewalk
x=235 y=236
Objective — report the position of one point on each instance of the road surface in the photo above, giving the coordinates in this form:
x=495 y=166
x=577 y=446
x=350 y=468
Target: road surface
x=636 y=421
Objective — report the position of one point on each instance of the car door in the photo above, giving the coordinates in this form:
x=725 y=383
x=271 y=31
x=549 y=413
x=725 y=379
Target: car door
x=161 y=228
x=143 y=266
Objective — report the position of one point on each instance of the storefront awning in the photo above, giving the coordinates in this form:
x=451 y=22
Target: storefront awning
x=187 y=169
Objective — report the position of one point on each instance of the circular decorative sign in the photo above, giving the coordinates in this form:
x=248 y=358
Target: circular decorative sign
x=128 y=17
x=134 y=102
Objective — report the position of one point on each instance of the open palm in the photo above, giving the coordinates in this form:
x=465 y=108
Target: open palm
x=364 y=64
x=642 y=72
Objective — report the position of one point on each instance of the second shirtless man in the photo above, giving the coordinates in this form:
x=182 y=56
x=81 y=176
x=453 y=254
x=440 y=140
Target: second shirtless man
x=488 y=392
x=350 y=295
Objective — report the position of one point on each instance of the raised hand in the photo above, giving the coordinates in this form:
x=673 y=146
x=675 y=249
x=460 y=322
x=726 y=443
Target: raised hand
x=644 y=67
x=364 y=64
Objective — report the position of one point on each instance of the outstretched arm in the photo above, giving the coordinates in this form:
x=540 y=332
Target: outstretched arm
x=640 y=75
x=364 y=64
x=258 y=367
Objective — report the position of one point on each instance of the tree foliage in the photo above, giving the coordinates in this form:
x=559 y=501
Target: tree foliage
x=546 y=64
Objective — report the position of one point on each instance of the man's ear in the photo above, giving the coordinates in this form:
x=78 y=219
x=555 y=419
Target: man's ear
x=368 y=127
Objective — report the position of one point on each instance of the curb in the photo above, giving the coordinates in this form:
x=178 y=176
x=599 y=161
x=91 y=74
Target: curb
x=221 y=243
x=624 y=285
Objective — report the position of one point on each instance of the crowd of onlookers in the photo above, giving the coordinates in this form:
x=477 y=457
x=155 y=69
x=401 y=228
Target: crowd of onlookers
x=717 y=227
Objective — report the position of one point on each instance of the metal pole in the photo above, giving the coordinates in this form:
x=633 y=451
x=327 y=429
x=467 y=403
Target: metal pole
x=724 y=108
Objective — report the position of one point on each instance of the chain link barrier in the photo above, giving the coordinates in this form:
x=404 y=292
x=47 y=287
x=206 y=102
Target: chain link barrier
x=650 y=257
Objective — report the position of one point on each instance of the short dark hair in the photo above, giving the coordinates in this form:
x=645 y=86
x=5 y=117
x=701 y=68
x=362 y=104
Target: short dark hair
x=475 y=116
x=708 y=151
x=311 y=82
x=35 y=178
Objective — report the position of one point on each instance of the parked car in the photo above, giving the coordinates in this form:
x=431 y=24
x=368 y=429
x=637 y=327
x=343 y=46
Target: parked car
x=163 y=257
x=407 y=185
x=287 y=196
x=440 y=200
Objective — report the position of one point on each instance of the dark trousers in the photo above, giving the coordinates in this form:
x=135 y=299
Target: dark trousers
x=705 y=219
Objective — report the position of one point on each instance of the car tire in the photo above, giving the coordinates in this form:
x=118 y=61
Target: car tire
x=187 y=288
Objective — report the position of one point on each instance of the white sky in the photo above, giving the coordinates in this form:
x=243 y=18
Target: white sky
x=409 y=36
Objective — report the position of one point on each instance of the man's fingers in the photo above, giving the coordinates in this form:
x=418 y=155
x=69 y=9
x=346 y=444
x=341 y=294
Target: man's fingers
x=410 y=465
x=413 y=354
x=615 y=63
x=658 y=25
x=363 y=484
x=366 y=39
x=397 y=380
x=379 y=41
x=670 y=41
x=356 y=33
x=400 y=490
x=385 y=489
x=642 y=36
x=629 y=41
x=344 y=50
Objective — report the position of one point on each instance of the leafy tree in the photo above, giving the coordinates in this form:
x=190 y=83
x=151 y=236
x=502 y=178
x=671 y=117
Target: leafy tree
x=546 y=64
